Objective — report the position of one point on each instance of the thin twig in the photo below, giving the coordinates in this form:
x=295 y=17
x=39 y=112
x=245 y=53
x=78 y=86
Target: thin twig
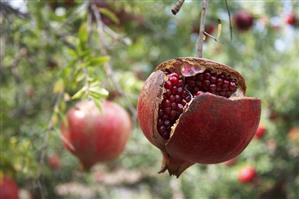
x=211 y=36
x=107 y=66
x=230 y=21
x=204 y=7
x=177 y=6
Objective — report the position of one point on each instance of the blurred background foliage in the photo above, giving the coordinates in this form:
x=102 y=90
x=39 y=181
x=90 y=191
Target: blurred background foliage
x=54 y=53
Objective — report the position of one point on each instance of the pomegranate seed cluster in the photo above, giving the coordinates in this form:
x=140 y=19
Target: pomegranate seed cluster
x=179 y=91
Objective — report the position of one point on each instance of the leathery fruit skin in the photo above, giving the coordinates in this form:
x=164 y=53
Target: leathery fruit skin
x=8 y=188
x=96 y=135
x=214 y=126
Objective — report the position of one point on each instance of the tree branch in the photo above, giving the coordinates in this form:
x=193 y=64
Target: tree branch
x=230 y=21
x=107 y=66
x=177 y=6
x=204 y=7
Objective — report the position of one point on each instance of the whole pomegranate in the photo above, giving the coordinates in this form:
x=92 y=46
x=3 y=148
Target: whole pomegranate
x=8 y=188
x=96 y=135
x=194 y=110
x=260 y=132
x=243 y=20
x=291 y=19
x=247 y=175
x=54 y=161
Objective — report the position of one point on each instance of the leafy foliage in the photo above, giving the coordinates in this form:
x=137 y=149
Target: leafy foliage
x=59 y=54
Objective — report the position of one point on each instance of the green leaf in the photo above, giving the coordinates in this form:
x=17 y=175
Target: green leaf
x=58 y=86
x=98 y=104
x=98 y=61
x=83 y=35
x=79 y=93
x=72 y=53
x=98 y=92
x=109 y=14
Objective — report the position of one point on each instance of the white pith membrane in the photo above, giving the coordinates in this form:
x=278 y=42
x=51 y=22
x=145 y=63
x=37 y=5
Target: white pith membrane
x=239 y=93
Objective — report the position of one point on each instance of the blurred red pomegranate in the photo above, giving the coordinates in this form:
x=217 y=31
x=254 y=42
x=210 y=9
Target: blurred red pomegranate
x=247 y=175
x=8 y=188
x=243 y=20
x=291 y=19
x=54 y=161
x=260 y=132
x=95 y=135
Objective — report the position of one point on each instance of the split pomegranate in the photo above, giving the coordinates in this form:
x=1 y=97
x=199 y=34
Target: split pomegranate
x=260 y=132
x=8 y=188
x=243 y=20
x=247 y=175
x=95 y=135
x=194 y=110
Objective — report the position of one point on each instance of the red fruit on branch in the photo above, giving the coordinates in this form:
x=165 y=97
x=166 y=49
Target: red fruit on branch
x=96 y=135
x=243 y=20
x=291 y=19
x=260 y=132
x=54 y=161
x=247 y=175
x=8 y=188
x=194 y=110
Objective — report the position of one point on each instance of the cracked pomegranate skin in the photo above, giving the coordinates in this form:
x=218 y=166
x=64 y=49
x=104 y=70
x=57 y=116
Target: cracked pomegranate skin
x=95 y=135
x=211 y=128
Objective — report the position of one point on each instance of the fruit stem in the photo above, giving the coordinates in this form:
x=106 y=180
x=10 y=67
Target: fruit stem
x=204 y=7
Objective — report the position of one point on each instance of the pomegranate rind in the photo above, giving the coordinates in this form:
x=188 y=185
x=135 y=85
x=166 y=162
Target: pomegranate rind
x=214 y=129
x=148 y=105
